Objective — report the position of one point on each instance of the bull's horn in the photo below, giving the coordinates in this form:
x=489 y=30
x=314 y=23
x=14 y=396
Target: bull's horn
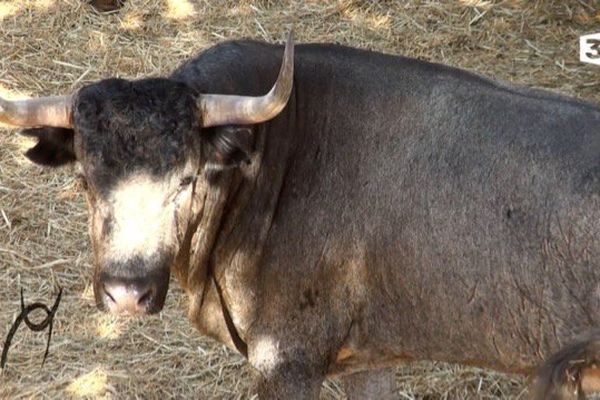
x=43 y=111
x=219 y=109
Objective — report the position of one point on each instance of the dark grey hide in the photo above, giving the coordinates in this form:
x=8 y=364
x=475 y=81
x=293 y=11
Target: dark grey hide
x=404 y=210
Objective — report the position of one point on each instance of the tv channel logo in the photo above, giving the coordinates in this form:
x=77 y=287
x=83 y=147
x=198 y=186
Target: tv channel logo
x=589 y=48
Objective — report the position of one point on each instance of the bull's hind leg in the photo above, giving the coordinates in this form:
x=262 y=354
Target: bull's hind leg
x=375 y=384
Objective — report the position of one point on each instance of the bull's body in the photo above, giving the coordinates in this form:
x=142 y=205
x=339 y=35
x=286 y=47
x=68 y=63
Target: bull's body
x=397 y=210
x=392 y=210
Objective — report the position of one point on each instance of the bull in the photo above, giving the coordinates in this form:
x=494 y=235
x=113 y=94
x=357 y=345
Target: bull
x=369 y=209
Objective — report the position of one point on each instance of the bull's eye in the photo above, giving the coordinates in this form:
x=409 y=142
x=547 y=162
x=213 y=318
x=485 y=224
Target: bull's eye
x=186 y=181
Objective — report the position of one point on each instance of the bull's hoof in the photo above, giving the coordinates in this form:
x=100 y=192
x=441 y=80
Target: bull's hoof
x=107 y=5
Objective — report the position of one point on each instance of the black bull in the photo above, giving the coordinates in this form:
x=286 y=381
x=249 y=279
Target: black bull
x=398 y=210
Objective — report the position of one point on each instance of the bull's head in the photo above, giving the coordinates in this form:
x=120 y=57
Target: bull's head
x=140 y=151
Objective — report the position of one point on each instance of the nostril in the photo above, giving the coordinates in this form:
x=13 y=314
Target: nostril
x=146 y=298
x=107 y=293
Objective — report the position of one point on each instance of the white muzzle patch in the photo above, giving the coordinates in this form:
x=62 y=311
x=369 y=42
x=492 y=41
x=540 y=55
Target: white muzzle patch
x=142 y=217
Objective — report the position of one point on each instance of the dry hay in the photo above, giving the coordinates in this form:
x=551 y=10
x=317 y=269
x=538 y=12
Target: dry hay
x=51 y=47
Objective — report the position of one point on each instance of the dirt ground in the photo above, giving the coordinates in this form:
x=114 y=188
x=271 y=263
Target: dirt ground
x=56 y=46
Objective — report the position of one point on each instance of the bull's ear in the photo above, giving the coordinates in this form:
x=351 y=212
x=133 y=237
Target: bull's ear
x=229 y=146
x=54 y=146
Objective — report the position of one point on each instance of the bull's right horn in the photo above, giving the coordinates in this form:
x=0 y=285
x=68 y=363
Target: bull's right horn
x=219 y=109
x=43 y=111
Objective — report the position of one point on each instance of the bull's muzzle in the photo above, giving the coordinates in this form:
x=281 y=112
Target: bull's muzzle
x=124 y=294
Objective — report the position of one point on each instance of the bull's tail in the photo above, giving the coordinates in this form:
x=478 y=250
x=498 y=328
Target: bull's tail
x=572 y=372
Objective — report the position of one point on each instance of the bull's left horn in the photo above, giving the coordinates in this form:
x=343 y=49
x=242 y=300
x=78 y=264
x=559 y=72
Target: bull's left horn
x=220 y=109
x=43 y=111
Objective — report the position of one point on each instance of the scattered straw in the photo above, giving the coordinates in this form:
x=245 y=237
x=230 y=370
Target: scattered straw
x=55 y=46
x=91 y=384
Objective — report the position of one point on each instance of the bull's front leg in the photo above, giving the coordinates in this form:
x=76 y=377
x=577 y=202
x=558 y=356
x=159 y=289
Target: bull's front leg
x=285 y=372
x=370 y=385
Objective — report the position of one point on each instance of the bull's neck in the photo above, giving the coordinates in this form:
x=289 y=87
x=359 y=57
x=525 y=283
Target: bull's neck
x=234 y=219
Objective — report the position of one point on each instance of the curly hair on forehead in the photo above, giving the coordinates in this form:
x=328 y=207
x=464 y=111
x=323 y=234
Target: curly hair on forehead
x=150 y=124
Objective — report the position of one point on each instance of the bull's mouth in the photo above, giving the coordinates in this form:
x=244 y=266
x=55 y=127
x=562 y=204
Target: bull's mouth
x=133 y=296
